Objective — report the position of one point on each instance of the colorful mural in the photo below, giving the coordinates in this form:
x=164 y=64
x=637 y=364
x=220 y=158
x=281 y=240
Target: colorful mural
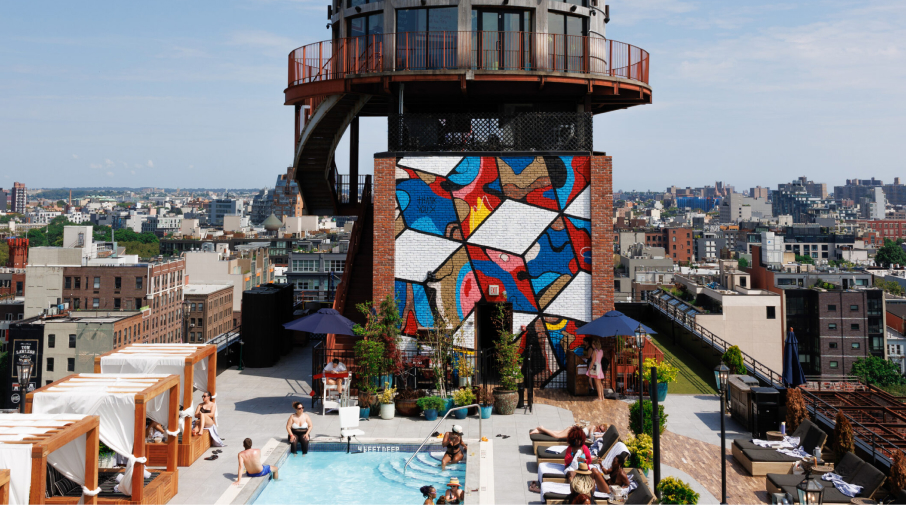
x=521 y=223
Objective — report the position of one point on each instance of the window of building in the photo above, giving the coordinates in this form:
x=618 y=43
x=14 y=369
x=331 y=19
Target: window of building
x=854 y=326
x=76 y=304
x=97 y=283
x=305 y=265
x=50 y=364
x=117 y=283
x=200 y=307
x=72 y=341
x=95 y=303
x=117 y=303
x=70 y=364
x=67 y=283
x=854 y=308
x=616 y=285
x=138 y=283
x=832 y=326
x=856 y=345
x=772 y=312
x=138 y=303
x=832 y=308
x=51 y=341
x=334 y=265
x=832 y=345
x=833 y=364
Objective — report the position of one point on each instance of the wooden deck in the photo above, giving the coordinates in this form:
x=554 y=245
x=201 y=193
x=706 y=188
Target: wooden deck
x=160 y=488
x=187 y=453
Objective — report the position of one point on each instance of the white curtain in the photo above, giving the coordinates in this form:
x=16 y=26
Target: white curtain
x=150 y=363
x=17 y=457
x=117 y=419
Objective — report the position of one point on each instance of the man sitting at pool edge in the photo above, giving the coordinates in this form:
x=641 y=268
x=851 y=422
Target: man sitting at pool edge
x=250 y=461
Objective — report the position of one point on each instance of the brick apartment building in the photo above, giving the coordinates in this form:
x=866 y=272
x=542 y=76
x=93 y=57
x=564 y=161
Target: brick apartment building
x=887 y=228
x=209 y=310
x=677 y=242
x=12 y=275
x=156 y=289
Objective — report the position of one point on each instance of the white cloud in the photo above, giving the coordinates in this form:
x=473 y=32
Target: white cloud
x=75 y=156
x=109 y=174
x=150 y=164
x=138 y=166
x=108 y=162
x=96 y=165
x=132 y=172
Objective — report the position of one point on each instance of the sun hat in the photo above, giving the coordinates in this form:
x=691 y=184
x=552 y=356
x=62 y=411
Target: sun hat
x=583 y=469
x=453 y=482
x=457 y=429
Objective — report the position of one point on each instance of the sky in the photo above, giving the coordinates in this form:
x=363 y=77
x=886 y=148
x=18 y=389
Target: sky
x=190 y=94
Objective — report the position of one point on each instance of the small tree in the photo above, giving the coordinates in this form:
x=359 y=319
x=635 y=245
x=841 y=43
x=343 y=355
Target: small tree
x=843 y=437
x=733 y=359
x=506 y=347
x=898 y=471
x=796 y=411
x=878 y=371
x=742 y=263
x=371 y=363
x=440 y=341
x=382 y=324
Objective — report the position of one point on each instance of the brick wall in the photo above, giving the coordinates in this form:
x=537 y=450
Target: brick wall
x=383 y=190
x=602 y=234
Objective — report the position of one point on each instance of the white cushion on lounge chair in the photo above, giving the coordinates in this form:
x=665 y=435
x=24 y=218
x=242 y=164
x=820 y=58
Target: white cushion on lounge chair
x=556 y=468
x=349 y=421
x=563 y=488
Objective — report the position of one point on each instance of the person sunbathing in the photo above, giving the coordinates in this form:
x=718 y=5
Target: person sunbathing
x=456 y=449
x=615 y=470
x=601 y=428
x=204 y=414
x=154 y=429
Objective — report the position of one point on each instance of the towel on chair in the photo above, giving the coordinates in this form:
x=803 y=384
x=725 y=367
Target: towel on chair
x=556 y=468
x=556 y=449
x=850 y=490
x=215 y=437
x=563 y=488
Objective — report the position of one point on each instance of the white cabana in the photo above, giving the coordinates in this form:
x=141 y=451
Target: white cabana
x=122 y=401
x=185 y=360
x=28 y=442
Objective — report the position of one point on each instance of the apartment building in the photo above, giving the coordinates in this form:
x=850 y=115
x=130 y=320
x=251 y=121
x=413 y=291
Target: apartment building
x=287 y=199
x=247 y=267
x=209 y=311
x=18 y=198
x=223 y=207
x=677 y=242
x=316 y=274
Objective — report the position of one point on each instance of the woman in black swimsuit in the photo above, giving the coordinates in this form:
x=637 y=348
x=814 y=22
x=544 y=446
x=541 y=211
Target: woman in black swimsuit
x=205 y=414
x=456 y=450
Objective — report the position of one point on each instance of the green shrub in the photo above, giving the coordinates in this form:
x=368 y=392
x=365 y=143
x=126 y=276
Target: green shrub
x=463 y=397
x=673 y=490
x=733 y=359
x=641 y=451
x=430 y=402
x=634 y=418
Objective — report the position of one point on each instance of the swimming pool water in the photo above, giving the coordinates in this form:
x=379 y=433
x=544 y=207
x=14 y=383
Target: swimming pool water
x=370 y=477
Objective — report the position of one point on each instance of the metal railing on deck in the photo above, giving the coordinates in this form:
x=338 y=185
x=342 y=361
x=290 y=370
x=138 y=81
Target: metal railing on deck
x=355 y=240
x=470 y=50
x=224 y=340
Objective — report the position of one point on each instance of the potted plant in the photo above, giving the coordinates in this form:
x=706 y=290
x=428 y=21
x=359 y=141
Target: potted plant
x=430 y=405
x=386 y=398
x=485 y=400
x=406 y=402
x=461 y=398
x=673 y=490
x=641 y=452
x=666 y=373
x=438 y=344
x=106 y=456
x=464 y=370
x=371 y=364
x=382 y=324
x=366 y=400
x=509 y=363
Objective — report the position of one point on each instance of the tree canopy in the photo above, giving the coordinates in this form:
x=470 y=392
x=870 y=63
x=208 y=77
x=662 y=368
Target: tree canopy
x=878 y=371
x=890 y=253
x=805 y=259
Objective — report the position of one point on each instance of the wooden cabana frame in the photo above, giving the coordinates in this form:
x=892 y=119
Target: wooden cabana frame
x=190 y=447
x=44 y=444
x=165 y=486
x=4 y=486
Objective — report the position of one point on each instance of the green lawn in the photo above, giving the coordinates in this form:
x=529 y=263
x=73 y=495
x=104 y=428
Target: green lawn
x=693 y=377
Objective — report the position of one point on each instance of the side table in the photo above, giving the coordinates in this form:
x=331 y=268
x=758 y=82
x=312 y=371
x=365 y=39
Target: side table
x=775 y=436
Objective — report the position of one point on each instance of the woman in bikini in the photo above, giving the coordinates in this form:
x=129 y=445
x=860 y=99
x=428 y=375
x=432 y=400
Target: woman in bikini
x=617 y=475
x=456 y=450
x=601 y=428
x=298 y=426
x=205 y=414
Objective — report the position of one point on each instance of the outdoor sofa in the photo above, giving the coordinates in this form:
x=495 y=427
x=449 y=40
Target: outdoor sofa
x=762 y=461
x=641 y=495
x=851 y=468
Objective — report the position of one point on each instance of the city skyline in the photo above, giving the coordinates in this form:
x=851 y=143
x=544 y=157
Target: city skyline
x=177 y=95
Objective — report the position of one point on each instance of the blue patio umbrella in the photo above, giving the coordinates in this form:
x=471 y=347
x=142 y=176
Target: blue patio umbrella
x=792 y=369
x=322 y=321
x=612 y=324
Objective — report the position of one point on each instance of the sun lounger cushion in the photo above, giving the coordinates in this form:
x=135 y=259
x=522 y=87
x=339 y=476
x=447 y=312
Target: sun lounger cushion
x=869 y=477
x=560 y=490
x=900 y=498
x=541 y=437
x=767 y=456
x=610 y=437
x=744 y=444
x=784 y=479
x=831 y=495
x=642 y=495
x=814 y=437
x=848 y=466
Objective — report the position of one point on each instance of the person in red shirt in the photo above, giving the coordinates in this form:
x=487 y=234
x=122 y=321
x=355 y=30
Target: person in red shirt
x=577 y=448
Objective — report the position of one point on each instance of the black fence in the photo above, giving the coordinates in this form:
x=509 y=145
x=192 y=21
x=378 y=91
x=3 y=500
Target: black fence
x=473 y=132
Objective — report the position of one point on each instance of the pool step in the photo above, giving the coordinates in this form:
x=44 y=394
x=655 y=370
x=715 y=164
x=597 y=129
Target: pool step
x=423 y=470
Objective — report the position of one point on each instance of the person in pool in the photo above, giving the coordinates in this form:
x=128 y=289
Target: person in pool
x=250 y=461
x=298 y=426
x=429 y=493
x=454 y=494
x=456 y=450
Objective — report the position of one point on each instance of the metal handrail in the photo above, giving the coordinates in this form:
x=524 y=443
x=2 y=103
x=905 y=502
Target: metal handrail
x=435 y=428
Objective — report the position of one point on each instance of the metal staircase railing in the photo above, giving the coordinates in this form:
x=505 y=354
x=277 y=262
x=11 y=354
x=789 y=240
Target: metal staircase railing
x=435 y=429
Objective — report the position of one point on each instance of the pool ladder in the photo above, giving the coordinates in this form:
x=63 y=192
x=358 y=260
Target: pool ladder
x=435 y=429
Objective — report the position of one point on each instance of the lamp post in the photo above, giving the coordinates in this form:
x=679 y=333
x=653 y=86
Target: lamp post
x=23 y=372
x=640 y=343
x=722 y=377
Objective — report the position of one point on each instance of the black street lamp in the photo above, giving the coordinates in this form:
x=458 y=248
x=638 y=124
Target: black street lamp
x=23 y=373
x=810 y=491
x=640 y=338
x=722 y=377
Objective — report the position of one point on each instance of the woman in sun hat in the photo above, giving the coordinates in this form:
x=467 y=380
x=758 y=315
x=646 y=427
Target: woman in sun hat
x=582 y=483
x=454 y=494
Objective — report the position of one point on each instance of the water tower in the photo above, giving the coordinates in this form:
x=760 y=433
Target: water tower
x=490 y=188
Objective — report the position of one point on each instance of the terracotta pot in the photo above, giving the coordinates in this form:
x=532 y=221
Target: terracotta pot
x=505 y=401
x=407 y=408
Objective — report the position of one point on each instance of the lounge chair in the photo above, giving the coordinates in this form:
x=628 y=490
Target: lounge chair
x=641 y=495
x=846 y=469
x=745 y=443
x=540 y=441
x=870 y=478
x=763 y=461
x=610 y=437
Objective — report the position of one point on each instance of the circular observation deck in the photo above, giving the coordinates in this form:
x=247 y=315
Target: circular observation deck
x=474 y=71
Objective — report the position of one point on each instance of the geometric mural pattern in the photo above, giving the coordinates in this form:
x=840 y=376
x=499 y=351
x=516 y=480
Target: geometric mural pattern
x=520 y=222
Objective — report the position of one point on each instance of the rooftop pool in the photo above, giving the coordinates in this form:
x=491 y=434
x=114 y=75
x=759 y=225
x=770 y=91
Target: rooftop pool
x=370 y=474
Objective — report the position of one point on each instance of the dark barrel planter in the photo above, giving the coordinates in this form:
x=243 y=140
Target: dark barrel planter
x=505 y=401
x=431 y=415
x=408 y=408
x=662 y=391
